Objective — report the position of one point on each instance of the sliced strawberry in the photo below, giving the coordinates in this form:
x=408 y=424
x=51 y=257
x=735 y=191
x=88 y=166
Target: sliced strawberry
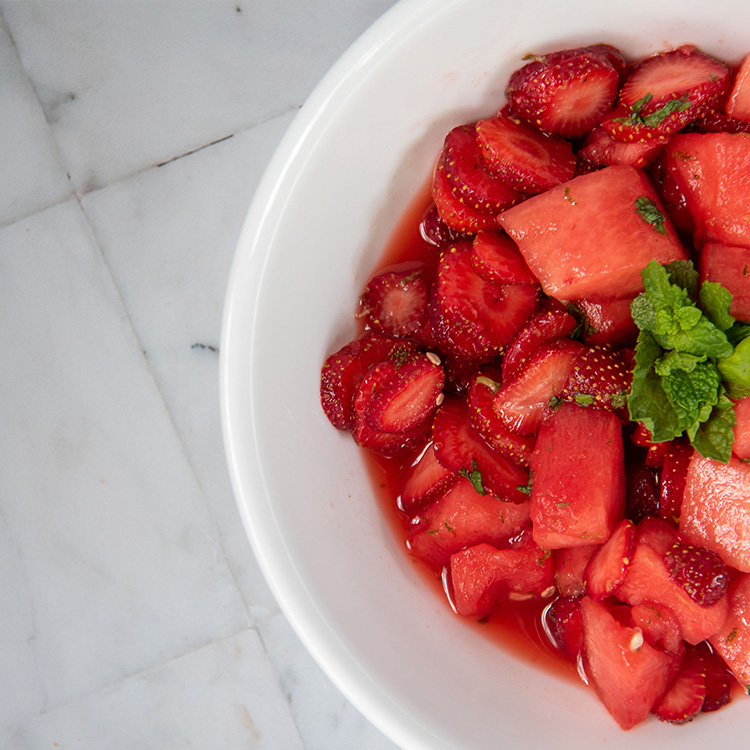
x=672 y=196
x=717 y=122
x=522 y=402
x=460 y=448
x=660 y=626
x=564 y=93
x=465 y=170
x=563 y=622
x=677 y=457
x=550 y=322
x=496 y=258
x=601 y=379
x=684 y=699
x=462 y=517
x=523 y=157
x=385 y=443
x=628 y=127
x=599 y=149
x=608 y=565
x=718 y=679
x=455 y=213
x=483 y=576
x=434 y=230
x=570 y=566
x=681 y=83
x=606 y=322
x=424 y=480
x=343 y=370
x=480 y=398
x=395 y=301
x=641 y=494
x=737 y=104
x=409 y=398
x=700 y=571
x=628 y=674
x=613 y=57
x=472 y=318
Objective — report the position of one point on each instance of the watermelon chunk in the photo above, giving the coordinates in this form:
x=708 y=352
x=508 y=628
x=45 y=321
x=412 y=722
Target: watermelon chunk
x=733 y=640
x=591 y=236
x=730 y=267
x=578 y=490
x=716 y=509
x=741 y=447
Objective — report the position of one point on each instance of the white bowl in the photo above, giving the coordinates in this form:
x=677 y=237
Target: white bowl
x=359 y=151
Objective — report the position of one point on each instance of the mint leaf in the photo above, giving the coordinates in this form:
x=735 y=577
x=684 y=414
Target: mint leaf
x=683 y=273
x=714 y=438
x=678 y=104
x=715 y=301
x=735 y=370
x=647 y=209
x=474 y=476
x=692 y=394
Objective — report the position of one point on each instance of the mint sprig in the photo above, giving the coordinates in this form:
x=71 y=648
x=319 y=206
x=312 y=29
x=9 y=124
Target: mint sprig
x=691 y=358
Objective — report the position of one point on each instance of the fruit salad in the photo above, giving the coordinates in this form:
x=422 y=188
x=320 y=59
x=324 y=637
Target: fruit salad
x=557 y=372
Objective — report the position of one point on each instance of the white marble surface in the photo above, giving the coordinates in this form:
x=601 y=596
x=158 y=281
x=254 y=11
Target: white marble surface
x=132 y=611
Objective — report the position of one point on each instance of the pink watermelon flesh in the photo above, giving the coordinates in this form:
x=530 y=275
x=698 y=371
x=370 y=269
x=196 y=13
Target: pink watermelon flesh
x=730 y=267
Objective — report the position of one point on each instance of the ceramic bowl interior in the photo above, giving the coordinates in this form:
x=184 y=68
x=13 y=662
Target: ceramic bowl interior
x=353 y=161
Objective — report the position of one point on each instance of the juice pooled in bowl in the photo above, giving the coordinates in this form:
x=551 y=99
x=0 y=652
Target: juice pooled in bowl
x=553 y=377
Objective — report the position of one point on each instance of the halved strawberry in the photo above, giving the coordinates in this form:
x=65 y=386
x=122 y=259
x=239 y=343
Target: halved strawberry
x=550 y=322
x=684 y=699
x=601 y=378
x=454 y=212
x=674 y=469
x=606 y=322
x=343 y=370
x=462 y=517
x=523 y=157
x=719 y=122
x=465 y=170
x=480 y=397
x=626 y=126
x=641 y=494
x=681 y=84
x=496 y=258
x=599 y=149
x=609 y=564
x=522 y=402
x=434 y=230
x=700 y=571
x=718 y=679
x=424 y=480
x=385 y=443
x=483 y=576
x=563 y=622
x=395 y=301
x=473 y=318
x=460 y=448
x=564 y=93
x=409 y=397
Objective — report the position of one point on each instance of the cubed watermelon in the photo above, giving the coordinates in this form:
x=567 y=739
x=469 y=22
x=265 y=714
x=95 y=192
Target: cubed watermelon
x=578 y=491
x=741 y=447
x=730 y=267
x=733 y=640
x=592 y=236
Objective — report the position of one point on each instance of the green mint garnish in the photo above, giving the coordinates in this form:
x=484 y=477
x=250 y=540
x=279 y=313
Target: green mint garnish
x=474 y=476
x=647 y=209
x=526 y=488
x=655 y=118
x=690 y=360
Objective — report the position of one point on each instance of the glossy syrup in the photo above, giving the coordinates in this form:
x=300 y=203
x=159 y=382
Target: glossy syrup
x=514 y=626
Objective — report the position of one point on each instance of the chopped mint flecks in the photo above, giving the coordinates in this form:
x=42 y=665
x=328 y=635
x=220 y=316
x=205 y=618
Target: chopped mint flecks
x=474 y=476
x=647 y=209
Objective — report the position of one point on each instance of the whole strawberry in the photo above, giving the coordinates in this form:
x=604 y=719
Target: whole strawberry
x=700 y=571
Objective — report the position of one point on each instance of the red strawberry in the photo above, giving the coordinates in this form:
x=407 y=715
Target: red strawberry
x=454 y=212
x=460 y=448
x=608 y=565
x=562 y=620
x=496 y=258
x=434 y=230
x=700 y=571
x=601 y=379
x=681 y=84
x=385 y=443
x=465 y=170
x=550 y=322
x=409 y=397
x=672 y=196
x=606 y=322
x=522 y=402
x=677 y=457
x=717 y=122
x=523 y=157
x=719 y=679
x=684 y=699
x=641 y=498
x=424 y=480
x=626 y=126
x=343 y=370
x=601 y=150
x=564 y=93
x=395 y=301
x=480 y=398
x=472 y=318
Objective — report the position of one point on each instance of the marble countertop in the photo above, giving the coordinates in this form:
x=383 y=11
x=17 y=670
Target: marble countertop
x=133 y=613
